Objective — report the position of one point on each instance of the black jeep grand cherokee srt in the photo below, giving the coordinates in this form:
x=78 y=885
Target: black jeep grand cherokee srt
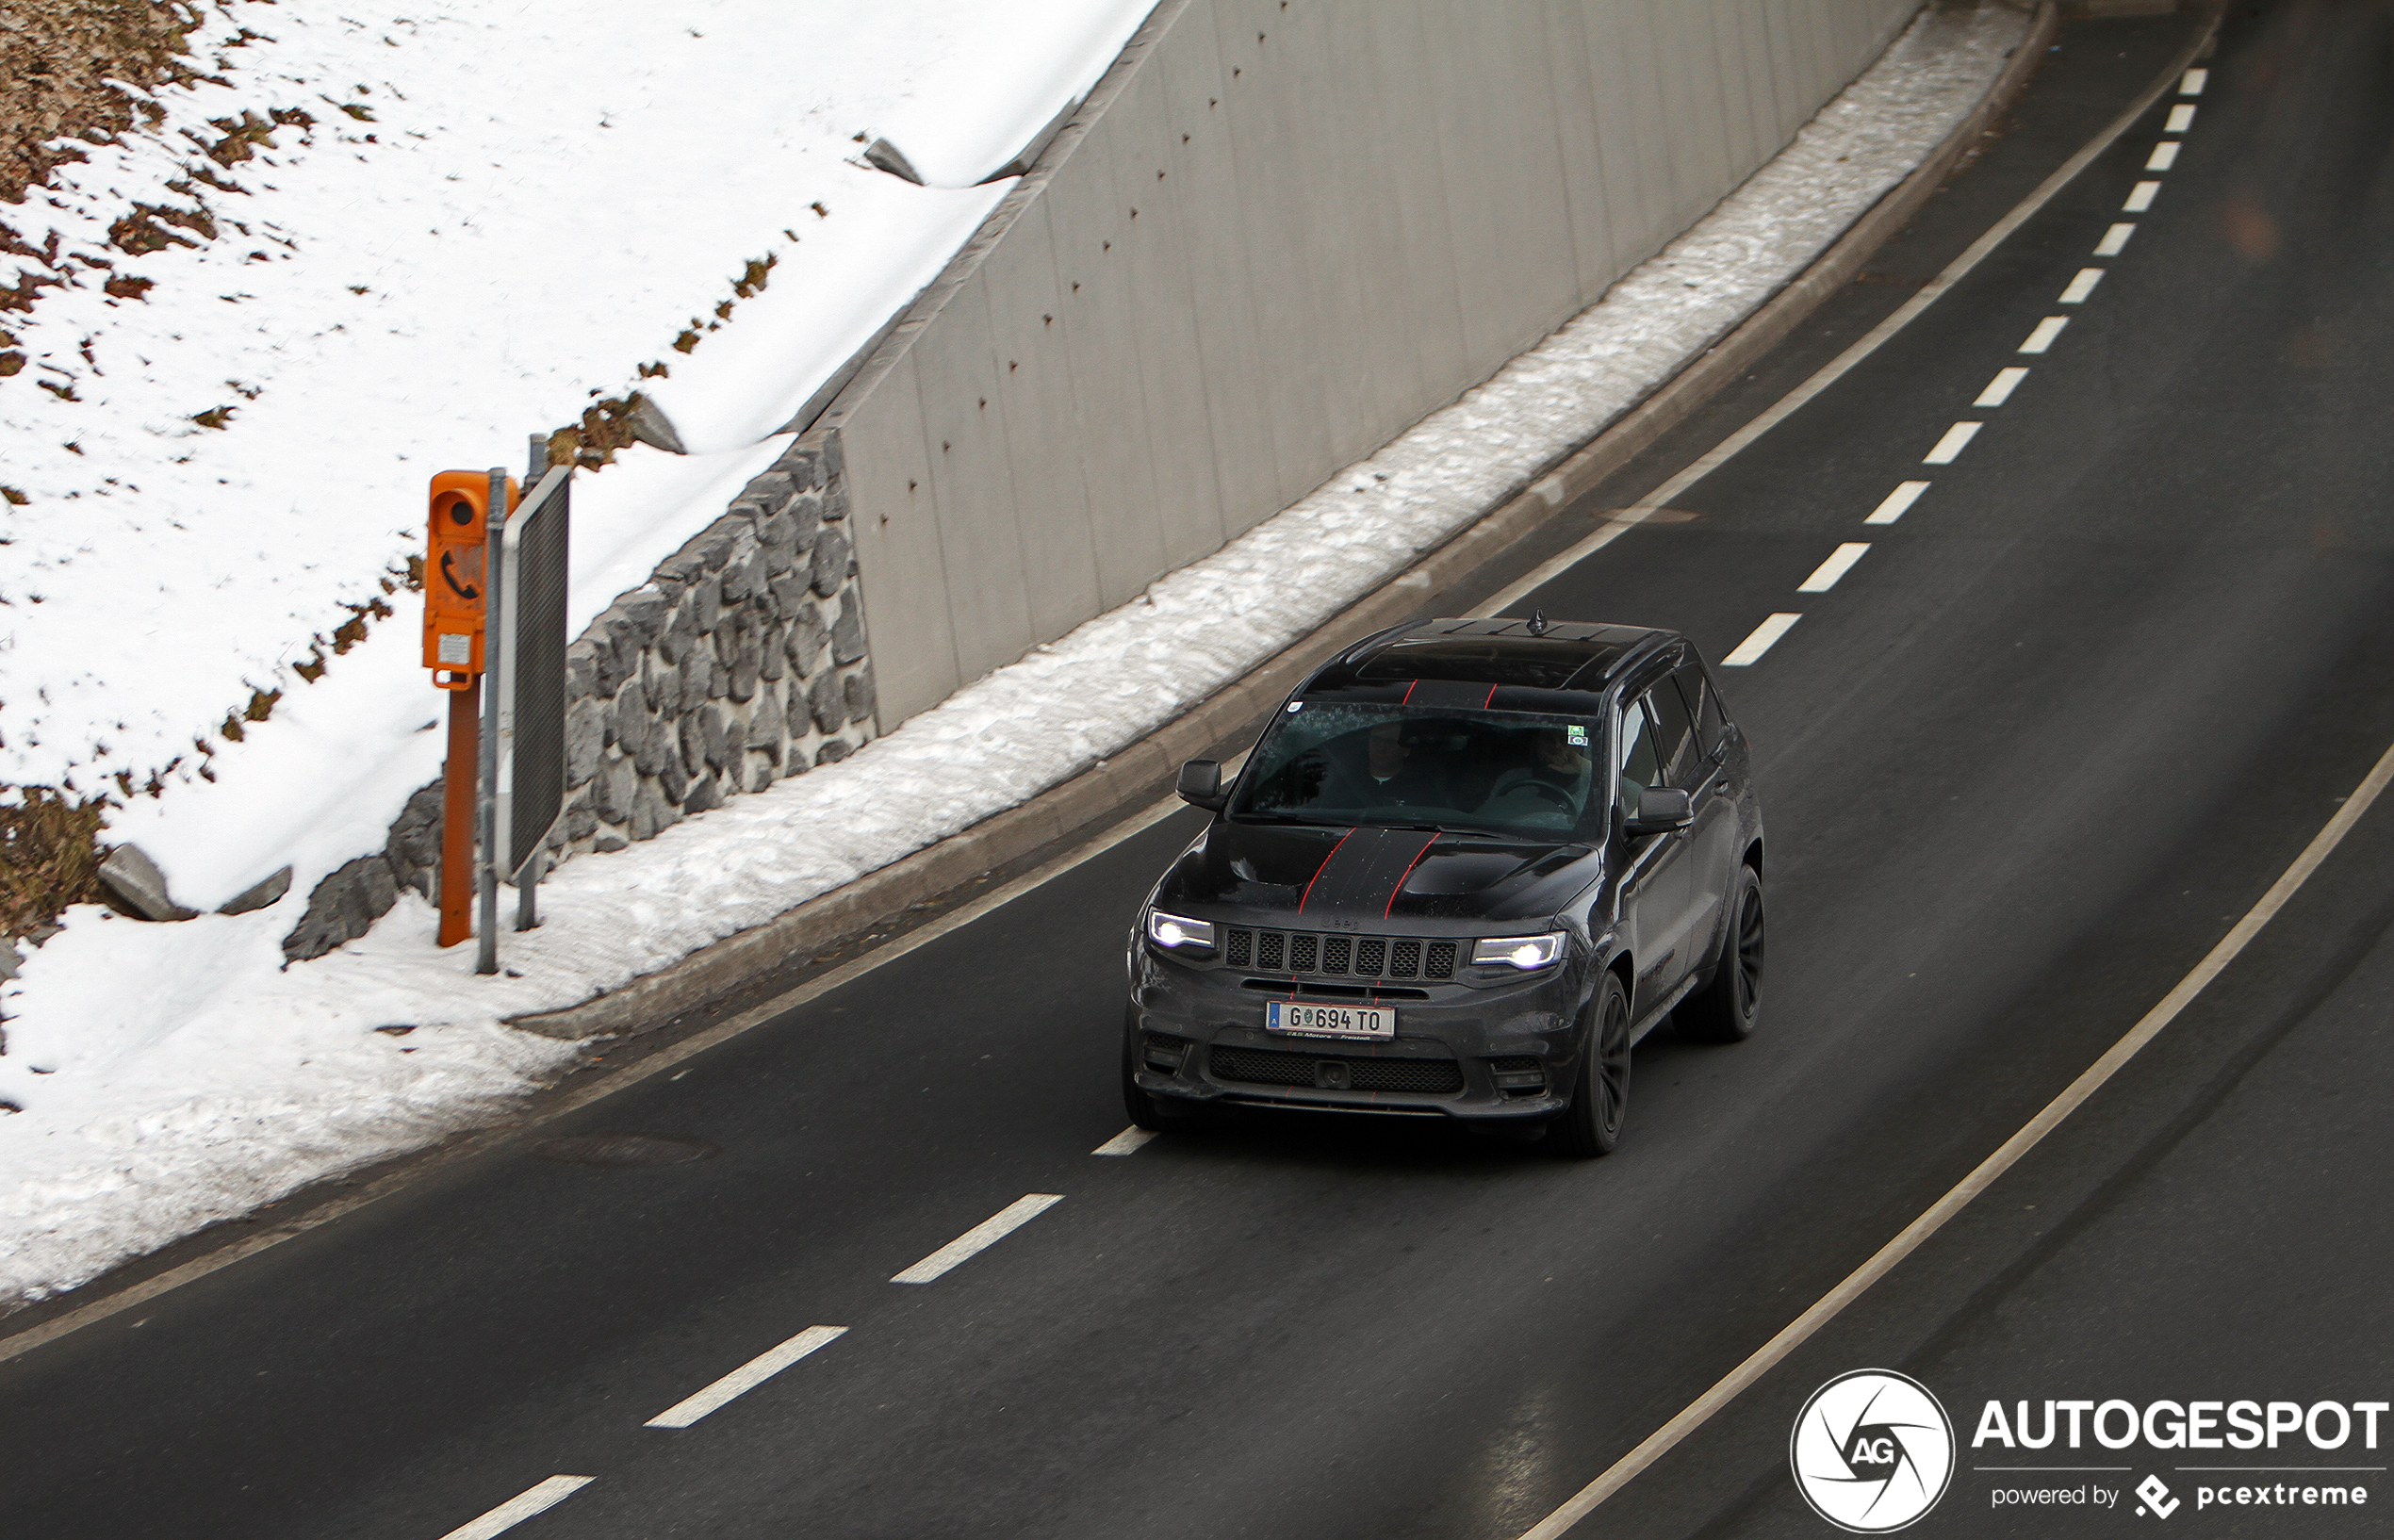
x=1470 y=864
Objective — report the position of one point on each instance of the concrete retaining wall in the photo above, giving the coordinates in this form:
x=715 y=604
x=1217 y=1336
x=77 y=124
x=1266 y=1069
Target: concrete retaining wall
x=1274 y=237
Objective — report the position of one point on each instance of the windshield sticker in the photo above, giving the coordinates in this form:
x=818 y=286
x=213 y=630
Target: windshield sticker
x=1576 y=735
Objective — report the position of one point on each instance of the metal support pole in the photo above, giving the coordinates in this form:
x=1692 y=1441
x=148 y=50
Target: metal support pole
x=459 y=776
x=495 y=621
x=528 y=879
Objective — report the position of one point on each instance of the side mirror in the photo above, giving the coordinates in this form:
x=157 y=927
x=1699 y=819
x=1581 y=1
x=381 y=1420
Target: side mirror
x=1660 y=810
x=1201 y=785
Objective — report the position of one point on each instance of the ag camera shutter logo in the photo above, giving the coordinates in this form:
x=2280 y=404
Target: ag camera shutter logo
x=1872 y=1450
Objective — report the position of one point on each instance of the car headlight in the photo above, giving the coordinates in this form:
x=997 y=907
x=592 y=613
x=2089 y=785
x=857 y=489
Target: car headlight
x=1522 y=952
x=1176 y=934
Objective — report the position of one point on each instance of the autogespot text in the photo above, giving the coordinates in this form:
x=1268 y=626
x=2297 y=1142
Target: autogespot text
x=2180 y=1425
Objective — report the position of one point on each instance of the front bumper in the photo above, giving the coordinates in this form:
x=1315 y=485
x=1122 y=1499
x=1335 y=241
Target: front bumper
x=1483 y=1049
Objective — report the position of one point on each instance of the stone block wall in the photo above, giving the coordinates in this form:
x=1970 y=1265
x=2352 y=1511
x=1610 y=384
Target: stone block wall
x=739 y=662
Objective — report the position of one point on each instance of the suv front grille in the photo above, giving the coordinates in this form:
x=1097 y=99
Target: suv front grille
x=1337 y=957
x=1275 y=1067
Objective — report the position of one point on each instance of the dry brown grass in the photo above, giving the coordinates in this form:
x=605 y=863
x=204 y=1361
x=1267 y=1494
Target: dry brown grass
x=49 y=858
x=56 y=59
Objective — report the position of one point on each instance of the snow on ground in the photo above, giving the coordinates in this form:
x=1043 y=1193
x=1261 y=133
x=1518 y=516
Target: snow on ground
x=175 y=1075
x=499 y=214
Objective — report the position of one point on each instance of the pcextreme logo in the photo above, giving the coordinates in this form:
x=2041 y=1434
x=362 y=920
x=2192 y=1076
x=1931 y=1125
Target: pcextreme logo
x=1872 y=1450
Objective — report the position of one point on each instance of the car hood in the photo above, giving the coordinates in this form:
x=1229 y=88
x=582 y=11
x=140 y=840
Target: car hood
x=1372 y=874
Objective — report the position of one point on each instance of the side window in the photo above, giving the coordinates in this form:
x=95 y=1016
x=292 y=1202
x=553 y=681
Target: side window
x=1639 y=768
x=1711 y=722
x=1673 y=747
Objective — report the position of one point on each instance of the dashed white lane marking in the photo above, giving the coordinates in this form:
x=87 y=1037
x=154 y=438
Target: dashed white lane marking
x=1999 y=389
x=1124 y=1143
x=2082 y=286
x=1840 y=562
x=2141 y=198
x=1755 y=646
x=1892 y=506
x=549 y=1493
x=2192 y=84
x=1957 y=439
x=980 y=1238
x=2181 y=118
x=2114 y=240
x=746 y=1377
x=2165 y=155
x=2047 y=329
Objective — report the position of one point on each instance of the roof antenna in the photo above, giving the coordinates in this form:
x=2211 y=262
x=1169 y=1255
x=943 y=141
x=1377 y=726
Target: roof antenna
x=1537 y=622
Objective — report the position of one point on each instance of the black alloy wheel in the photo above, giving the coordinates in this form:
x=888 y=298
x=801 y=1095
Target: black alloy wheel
x=1730 y=1006
x=1591 y=1125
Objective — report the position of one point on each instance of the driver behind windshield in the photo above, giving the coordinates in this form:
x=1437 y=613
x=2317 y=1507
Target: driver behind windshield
x=1556 y=777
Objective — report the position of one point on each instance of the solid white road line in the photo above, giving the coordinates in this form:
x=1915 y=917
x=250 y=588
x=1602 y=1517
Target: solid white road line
x=2114 y=240
x=1957 y=439
x=1892 y=506
x=2141 y=198
x=2181 y=118
x=2082 y=286
x=1124 y=1143
x=1755 y=646
x=1827 y=1308
x=2192 y=85
x=2047 y=329
x=549 y=1493
x=980 y=1238
x=746 y=1377
x=1841 y=562
x=1830 y=372
x=1999 y=389
x=2165 y=155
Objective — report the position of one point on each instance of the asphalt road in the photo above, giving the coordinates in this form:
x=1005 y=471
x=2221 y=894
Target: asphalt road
x=2023 y=765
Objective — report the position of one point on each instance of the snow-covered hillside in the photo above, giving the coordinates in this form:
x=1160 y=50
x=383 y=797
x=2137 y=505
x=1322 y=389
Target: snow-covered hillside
x=423 y=233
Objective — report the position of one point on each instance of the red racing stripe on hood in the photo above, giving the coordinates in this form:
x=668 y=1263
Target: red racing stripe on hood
x=1391 y=905
x=1324 y=867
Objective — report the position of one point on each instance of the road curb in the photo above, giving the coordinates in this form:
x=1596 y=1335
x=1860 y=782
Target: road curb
x=1141 y=771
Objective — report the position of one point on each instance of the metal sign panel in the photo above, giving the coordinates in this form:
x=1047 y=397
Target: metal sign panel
x=539 y=541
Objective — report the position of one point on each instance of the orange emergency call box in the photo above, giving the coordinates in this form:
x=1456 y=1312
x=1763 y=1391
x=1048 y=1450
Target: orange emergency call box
x=454 y=574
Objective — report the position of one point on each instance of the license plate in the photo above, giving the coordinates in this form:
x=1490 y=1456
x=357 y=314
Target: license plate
x=1305 y=1018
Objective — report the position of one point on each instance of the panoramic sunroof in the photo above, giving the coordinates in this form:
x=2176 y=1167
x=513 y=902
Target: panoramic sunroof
x=1533 y=664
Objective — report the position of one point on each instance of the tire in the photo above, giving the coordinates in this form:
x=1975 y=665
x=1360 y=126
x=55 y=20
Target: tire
x=1591 y=1126
x=1732 y=1001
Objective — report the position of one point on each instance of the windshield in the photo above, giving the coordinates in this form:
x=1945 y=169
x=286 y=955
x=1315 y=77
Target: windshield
x=1506 y=773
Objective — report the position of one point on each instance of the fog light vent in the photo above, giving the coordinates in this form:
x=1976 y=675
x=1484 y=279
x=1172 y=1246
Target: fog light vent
x=1518 y=1074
